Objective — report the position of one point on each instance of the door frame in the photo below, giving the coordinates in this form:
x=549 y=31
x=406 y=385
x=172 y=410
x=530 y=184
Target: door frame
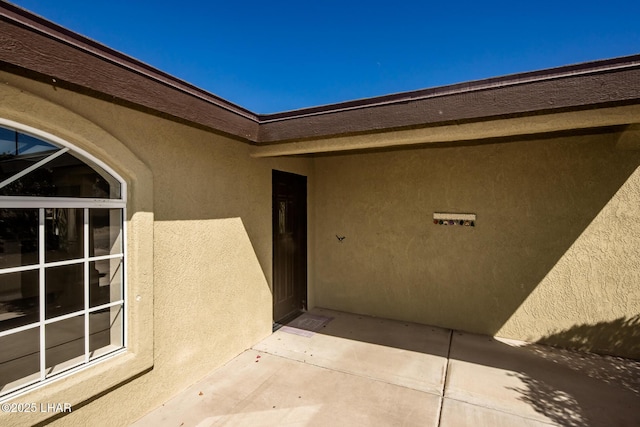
x=300 y=237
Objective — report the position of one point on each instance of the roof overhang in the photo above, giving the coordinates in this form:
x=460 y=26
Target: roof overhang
x=582 y=96
x=42 y=50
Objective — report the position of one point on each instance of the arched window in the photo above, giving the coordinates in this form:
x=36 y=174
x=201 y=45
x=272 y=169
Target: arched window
x=62 y=293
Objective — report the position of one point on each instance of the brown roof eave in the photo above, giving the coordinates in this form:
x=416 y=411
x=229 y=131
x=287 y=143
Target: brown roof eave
x=598 y=84
x=40 y=47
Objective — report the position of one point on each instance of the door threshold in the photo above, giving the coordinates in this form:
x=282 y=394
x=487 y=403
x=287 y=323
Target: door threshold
x=286 y=319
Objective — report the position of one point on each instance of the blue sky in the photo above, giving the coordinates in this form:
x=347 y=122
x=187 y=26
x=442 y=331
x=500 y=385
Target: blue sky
x=272 y=56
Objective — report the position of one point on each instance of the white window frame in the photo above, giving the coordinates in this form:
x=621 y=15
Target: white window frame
x=42 y=203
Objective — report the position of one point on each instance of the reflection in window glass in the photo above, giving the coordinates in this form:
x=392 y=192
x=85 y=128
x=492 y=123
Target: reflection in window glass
x=19 y=359
x=14 y=144
x=106 y=281
x=53 y=247
x=18 y=237
x=30 y=184
x=19 y=152
x=64 y=176
x=106 y=232
x=64 y=236
x=64 y=344
x=29 y=145
x=105 y=329
x=19 y=302
x=64 y=288
x=7 y=143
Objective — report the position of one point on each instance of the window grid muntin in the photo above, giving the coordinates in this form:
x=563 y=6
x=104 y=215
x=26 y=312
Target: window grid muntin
x=40 y=202
x=42 y=292
x=31 y=385
x=31 y=267
x=61 y=317
x=41 y=267
x=87 y=281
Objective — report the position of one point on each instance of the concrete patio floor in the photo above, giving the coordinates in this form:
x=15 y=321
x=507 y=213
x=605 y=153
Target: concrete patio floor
x=328 y=368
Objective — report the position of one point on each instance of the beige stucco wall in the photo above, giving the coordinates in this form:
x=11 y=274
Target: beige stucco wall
x=199 y=263
x=554 y=255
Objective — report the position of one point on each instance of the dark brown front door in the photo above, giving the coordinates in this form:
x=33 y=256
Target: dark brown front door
x=289 y=244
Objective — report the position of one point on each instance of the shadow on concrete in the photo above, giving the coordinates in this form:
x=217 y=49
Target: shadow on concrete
x=566 y=387
x=608 y=391
x=406 y=335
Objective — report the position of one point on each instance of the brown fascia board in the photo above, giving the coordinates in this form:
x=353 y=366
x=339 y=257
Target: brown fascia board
x=32 y=46
x=37 y=48
x=598 y=84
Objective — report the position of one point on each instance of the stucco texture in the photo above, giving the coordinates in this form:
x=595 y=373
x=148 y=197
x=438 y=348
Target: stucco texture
x=553 y=255
x=207 y=206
